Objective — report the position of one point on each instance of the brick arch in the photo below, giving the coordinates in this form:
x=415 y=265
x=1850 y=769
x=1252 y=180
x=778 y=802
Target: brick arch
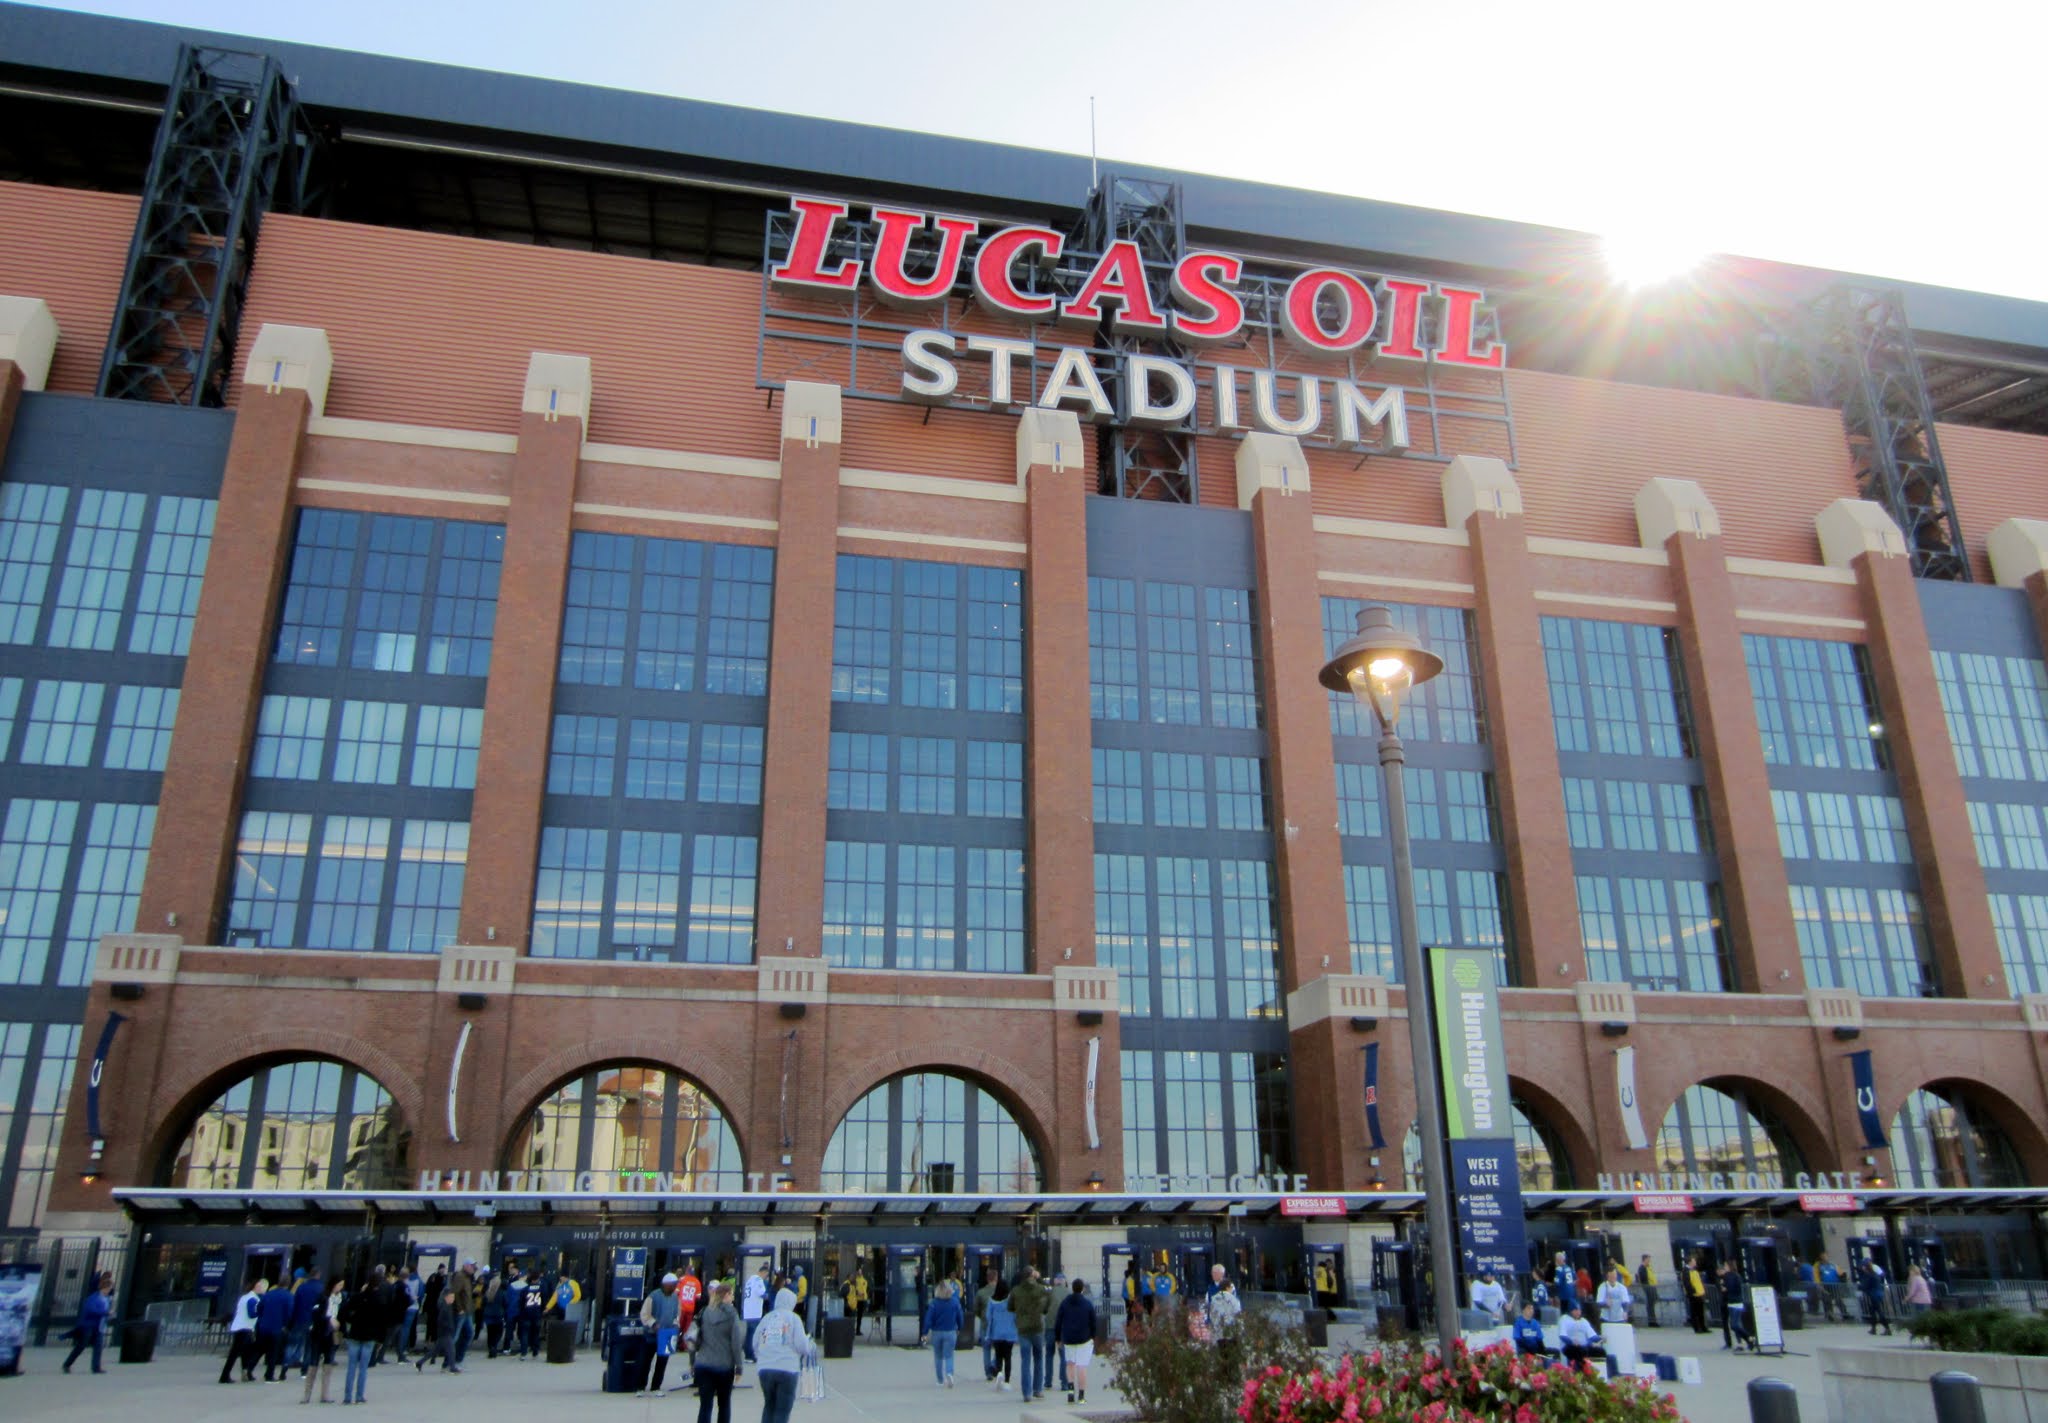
x=185 y=1093
x=2008 y=1116
x=1020 y=1091
x=1790 y=1102
x=1581 y=1155
x=723 y=1080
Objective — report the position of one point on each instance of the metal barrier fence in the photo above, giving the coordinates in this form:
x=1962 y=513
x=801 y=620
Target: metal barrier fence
x=70 y=1268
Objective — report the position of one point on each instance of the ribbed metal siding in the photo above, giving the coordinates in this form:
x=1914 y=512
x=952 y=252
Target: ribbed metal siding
x=436 y=330
x=1994 y=475
x=68 y=247
x=1585 y=447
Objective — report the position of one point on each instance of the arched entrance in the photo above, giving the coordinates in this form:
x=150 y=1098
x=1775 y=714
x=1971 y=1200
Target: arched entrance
x=931 y=1131
x=1720 y=1126
x=1943 y=1138
x=623 y=1117
x=308 y=1124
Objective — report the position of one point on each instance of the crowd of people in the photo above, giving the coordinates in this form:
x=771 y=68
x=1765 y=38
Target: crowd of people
x=1583 y=1307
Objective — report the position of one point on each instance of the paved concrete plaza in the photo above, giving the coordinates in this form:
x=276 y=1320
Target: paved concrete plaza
x=880 y=1384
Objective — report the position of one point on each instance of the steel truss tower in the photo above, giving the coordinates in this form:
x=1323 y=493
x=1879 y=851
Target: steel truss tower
x=1133 y=462
x=232 y=145
x=1859 y=357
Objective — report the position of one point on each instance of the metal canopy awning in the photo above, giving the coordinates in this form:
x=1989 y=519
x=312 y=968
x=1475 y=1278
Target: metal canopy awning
x=171 y=1203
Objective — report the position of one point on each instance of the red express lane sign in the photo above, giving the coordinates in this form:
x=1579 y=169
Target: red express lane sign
x=1666 y=1204
x=1311 y=1205
x=1821 y=1202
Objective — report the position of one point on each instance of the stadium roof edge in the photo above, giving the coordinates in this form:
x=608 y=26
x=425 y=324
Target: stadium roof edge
x=850 y=156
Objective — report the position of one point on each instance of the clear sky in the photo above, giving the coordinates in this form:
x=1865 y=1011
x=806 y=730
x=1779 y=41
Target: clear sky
x=1897 y=139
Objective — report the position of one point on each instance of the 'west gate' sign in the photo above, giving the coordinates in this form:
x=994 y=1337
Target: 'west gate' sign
x=915 y=262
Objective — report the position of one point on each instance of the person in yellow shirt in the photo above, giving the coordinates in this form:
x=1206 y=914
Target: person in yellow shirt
x=860 y=1298
x=1695 y=1295
x=1646 y=1278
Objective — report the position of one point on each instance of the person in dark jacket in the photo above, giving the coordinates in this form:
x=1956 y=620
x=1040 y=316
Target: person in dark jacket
x=1074 y=1326
x=362 y=1325
x=90 y=1331
x=322 y=1335
x=306 y=1296
x=273 y=1321
x=721 y=1350
x=1030 y=1301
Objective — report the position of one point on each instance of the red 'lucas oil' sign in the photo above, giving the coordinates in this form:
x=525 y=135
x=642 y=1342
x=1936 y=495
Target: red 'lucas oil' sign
x=1326 y=310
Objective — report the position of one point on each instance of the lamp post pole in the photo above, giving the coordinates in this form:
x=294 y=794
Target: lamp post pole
x=1429 y=1104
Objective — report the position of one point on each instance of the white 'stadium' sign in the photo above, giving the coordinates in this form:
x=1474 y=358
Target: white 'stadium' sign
x=1324 y=311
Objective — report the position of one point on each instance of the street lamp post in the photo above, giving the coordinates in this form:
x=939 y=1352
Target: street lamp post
x=1380 y=665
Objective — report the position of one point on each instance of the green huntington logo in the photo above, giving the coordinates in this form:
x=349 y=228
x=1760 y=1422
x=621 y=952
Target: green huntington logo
x=1466 y=972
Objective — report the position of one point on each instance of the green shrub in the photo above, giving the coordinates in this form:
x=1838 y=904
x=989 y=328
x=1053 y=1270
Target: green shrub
x=1168 y=1377
x=1982 y=1331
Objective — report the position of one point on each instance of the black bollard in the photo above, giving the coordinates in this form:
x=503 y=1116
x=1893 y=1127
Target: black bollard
x=1957 y=1398
x=1773 y=1401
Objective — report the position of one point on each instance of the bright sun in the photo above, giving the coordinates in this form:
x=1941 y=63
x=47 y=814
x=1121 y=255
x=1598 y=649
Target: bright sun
x=1650 y=258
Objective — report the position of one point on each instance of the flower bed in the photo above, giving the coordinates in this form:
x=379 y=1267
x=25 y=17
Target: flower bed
x=1493 y=1385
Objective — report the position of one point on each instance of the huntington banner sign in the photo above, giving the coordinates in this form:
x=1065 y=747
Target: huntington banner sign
x=953 y=312
x=1472 y=1061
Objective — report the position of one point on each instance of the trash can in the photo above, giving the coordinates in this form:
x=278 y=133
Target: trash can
x=1315 y=1327
x=138 y=1341
x=562 y=1341
x=839 y=1338
x=1792 y=1311
x=631 y=1345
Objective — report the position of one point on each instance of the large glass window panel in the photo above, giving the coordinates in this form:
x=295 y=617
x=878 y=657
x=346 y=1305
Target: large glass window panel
x=63 y=720
x=465 y=616
x=110 y=869
x=270 y=869
x=724 y=872
x=595 y=610
x=856 y=893
x=173 y=567
x=445 y=747
x=742 y=612
x=393 y=595
x=98 y=561
x=371 y=743
x=1123 y=939
x=35 y=850
x=317 y=591
x=433 y=856
x=349 y=882
x=139 y=736
x=1112 y=649
x=31 y=516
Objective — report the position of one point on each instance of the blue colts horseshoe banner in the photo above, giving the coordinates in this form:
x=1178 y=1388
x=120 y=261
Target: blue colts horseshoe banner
x=1372 y=1096
x=1866 y=1098
x=99 y=1068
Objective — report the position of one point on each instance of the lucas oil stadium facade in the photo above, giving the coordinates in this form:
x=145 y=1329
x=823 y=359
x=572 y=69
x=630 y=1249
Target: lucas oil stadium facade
x=583 y=670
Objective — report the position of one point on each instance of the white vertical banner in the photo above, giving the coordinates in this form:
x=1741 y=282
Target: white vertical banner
x=1094 y=1058
x=455 y=1078
x=1631 y=1110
